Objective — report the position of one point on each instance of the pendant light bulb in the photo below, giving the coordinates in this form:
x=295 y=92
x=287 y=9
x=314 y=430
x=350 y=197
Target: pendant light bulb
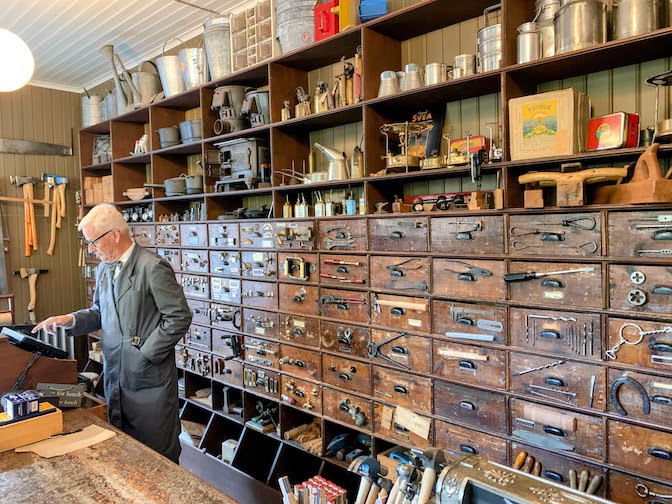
x=16 y=61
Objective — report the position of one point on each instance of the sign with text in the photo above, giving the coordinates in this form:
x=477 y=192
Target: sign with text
x=69 y=396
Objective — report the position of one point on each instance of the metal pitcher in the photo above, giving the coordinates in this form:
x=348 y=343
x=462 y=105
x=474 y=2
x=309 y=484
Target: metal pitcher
x=338 y=163
x=91 y=110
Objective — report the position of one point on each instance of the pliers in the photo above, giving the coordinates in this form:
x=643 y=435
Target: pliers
x=373 y=350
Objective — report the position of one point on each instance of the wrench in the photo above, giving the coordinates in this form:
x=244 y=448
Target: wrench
x=338 y=243
x=336 y=227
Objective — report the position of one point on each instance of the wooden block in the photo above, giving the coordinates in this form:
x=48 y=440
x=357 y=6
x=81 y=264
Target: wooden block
x=534 y=198
x=400 y=207
x=97 y=193
x=498 y=197
x=108 y=195
x=88 y=196
x=31 y=430
x=479 y=200
x=571 y=193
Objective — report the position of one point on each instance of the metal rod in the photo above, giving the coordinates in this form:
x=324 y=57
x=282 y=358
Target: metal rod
x=198 y=7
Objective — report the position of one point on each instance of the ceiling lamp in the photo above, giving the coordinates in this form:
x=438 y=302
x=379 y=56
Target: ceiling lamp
x=16 y=61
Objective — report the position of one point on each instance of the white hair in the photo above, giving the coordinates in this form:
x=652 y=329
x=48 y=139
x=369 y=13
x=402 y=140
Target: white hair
x=104 y=217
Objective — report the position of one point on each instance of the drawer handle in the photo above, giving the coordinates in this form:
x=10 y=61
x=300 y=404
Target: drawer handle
x=466 y=277
x=554 y=431
x=400 y=389
x=342 y=306
x=299 y=393
x=397 y=235
x=342 y=269
x=659 y=399
x=399 y=350
x=550 y=334
x=553 y=282
x=552 y=475
x=660 y=453
x=554 y=381
x=298 y=298
x=660 y=347
x=397 y=311
x=465 y=448
x=297 y=331
x=299 y=363
x=662 y=235
x=344 y=376
x=466 y=364
x=400 y=428
x=397 y=273
x=464 y=235
x=466 y=321
x=663 y=290
x=546 y=236
x=467 y=405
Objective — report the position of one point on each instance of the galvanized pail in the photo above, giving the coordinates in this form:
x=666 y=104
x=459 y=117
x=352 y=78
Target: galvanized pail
x=636 y=17
x=148 y=83
x=169 y=72
x=217 y=40
x=294 y=23
x=544 y=12
x=580 y=24
x=193 y=66
x=91 y=110
x=111 y=105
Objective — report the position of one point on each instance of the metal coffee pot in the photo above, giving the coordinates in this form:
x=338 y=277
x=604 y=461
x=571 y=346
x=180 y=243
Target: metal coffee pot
x=338 y=163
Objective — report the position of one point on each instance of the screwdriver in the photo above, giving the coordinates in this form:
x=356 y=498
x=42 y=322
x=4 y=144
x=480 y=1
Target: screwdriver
x=342 y=279
x=341 y=263
x=530 y=275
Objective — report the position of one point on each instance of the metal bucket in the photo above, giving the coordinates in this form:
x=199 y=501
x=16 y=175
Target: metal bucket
x=217 y=40
x=148 y=83
x=490 y=48
x=91 y=110
x=528 y=42
x=169 y=72
x=193 y=66
x=168 y=137
x=635 y=17
x=579 y=24
x=294 y=23
x=544 y=13
x=190 y=131
x=111 y=105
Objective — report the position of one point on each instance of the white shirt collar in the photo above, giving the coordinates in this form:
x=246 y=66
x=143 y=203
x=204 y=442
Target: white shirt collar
x=124 y=257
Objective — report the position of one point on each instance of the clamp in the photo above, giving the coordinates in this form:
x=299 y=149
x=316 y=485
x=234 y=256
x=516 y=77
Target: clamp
x=626 y=380
x=373 y=350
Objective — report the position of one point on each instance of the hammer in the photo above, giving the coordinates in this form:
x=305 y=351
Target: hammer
x=431 y=459
x=30 y=226
x=31 y=274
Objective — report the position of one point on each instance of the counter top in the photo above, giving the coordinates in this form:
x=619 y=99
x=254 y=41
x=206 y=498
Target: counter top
x=119 y=470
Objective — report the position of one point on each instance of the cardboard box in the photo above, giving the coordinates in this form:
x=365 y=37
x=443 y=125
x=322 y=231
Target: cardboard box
x=97 y=193
x=108 y=194
x=548 y=124
x=88 y=196
x=31 y=430
x=89 y=182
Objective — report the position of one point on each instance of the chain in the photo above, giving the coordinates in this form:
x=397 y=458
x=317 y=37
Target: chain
x=611 y=353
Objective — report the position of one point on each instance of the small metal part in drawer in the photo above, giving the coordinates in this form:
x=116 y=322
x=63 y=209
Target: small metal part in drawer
x=295 y=235
x=167 y=234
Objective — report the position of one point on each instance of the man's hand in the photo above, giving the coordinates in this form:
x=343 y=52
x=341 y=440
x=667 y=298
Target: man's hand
x=52 y=324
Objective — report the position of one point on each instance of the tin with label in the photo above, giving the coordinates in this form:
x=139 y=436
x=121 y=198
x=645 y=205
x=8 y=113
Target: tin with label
x=613 y=131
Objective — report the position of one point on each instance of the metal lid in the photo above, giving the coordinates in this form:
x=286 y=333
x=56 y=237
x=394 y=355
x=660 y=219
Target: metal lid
x=216 y=21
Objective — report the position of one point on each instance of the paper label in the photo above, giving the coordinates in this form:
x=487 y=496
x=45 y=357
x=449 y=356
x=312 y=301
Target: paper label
x=299 y=323
x=260 y=330
x=415 y=322
x=267 y=243
x=258 y=257
x=415 y=423
x=554 y=295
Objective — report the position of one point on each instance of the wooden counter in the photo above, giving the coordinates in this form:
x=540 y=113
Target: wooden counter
x=119 y=470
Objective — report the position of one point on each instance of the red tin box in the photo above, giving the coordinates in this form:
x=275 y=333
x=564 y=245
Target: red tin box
x=326 y=22
x=613 y=131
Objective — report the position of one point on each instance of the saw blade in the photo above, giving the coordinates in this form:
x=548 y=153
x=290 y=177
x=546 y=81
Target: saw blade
x=543 y=440
x=9 y=146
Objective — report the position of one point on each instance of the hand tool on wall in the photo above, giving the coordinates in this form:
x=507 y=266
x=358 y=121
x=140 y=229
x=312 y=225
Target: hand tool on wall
x=405 y=305
x=30 y=226
x=10 y=146
x=373 y=349
x=432 y=459
x=31 y=274
x=531 y=275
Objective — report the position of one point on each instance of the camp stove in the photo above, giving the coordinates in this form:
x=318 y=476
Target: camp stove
x=228 y=102
x=246 y=164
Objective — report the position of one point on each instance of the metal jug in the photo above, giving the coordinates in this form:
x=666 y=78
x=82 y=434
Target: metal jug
x=528 y=42
x=338 y=163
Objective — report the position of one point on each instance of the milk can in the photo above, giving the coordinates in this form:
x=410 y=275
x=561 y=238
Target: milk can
x=580 y=24
x=636 y=17
x=544 y=12
x=529 y=42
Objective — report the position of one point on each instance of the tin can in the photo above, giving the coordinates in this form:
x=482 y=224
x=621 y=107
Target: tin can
x=613 y=131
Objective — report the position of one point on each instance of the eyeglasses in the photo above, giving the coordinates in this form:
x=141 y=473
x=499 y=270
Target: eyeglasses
x=92 y=243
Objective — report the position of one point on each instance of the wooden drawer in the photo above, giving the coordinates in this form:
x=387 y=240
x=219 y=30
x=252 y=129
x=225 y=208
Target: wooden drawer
x=639 y=288
x=402 y=389
x=582 y=289
x=640 y=449
x=347 y=408
x=344 y=338
x=260 y=352
x=470 y=406
x=402 y=352
x=200 y=311
x=385 y=423
x=401 y=312
x=295 y=235
x=196 y=286
x=403 y=235
x=627 y=489
x=468 y=235
x=653 y=351
x=223 y=235
x=347 y=374
x=565 y=333
x=301 y=362
x=300 y=299
x=572 y=235
x=225 y=317
x=460 y=442
x=198 y=362
x=173 y=257
x=471 y=279
x=260 y=294
x=167 y=234
x=229 y=372
x=630 y=402
x=142 y=234
x=410 y=274
x=297 y=266
x=468 y=364
x=630 y=233
x=332 y=234
x=556 y=467
x=225 y=262
x=198 y=337
x=299 y=330
x=257 y=235
x=181 y=356
x=350 y=306
x=344 y=269
x=223 y=343
x=259 y=264
x=264 y=381
x=469 y=323
x=194 y=235
x=557 y=430
x=570 y=383
x=261 y=323
x=305 y=394
x=226 y=290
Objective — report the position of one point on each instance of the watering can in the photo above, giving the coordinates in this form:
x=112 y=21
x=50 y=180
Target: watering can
x=128 y=96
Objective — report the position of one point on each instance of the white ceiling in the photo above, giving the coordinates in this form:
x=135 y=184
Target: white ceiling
x=65 y=36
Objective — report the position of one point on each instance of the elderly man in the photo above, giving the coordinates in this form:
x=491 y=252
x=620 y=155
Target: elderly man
x=142 y=312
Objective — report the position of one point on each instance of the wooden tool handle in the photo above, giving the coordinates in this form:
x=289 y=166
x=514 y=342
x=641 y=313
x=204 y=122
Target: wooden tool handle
x=528 y=465
x=594 y=484
x=52 y=231
x=47 y=197
x=590 y=176
x=32 y=287
x=61 y=192
x=33 y=223
x=549 y=416
x=408 y=305
x=520 y=460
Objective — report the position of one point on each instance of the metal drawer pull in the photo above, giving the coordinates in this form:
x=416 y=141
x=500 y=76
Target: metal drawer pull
x=466 y=277
x=397 y=311
x=468 y=449
x=553 y=282
x=397 y=273
x=552 y=237
x=660 y=347
x=662 y=235
x=662 y=289
x=299 y=393
x=660 y=453
x=397 y=235
x=554 y=381
x=297 y=331
x=400 y=389
x=659 y=399
x=342 y=269
x=554 y=476
x=466 y=321
x=399 y=350
x=467 y=405
x=550 y=334
x=344 y=376
x=299 y=363
x=554 y=431
x=466 y=364
x=464 y=235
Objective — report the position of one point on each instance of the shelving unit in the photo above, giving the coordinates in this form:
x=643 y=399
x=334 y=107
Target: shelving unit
x=256 y=304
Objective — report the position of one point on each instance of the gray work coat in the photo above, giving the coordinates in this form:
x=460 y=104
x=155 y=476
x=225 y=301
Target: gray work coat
x=145 y=301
